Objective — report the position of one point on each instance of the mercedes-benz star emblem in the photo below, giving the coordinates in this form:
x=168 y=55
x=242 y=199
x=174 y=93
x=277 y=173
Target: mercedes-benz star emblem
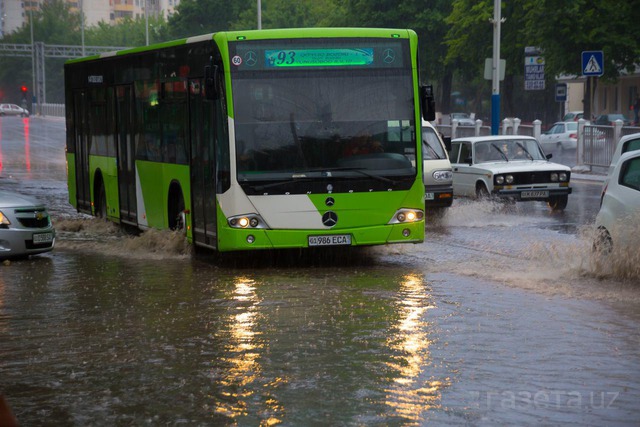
x=250 y=58
x=389 y=56
x=330 y=219
x=329 y=201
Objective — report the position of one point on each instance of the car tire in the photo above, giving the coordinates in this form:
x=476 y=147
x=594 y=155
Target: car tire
x=481 y=191
x=603 y=243
x=558 y=203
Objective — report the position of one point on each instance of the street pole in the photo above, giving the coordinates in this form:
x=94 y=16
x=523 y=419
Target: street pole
x=259 y=15
x=146 y=20
x=34 y=99
x=82 y=25
x=495 y=92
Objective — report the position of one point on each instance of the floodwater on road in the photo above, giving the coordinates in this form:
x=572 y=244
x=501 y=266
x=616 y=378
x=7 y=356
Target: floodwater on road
x=508 y=327
x=503 y=316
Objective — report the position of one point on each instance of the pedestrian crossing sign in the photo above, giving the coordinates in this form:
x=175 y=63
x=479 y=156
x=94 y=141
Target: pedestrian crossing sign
x=592 y=63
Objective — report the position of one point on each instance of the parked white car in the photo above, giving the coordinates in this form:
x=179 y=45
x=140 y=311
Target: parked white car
x=13 y=110
x=437 y=176
x=508 y=166
x=463 y=119
x=563 y=135
x=627 y=143
x=25 y=226
x=618 y=221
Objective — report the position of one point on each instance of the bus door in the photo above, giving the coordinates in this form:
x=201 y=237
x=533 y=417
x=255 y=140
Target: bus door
x=126 y=155
x=203 y=166
x=81 y=136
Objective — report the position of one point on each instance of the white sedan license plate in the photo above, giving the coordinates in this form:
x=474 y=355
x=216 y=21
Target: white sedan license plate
x=429 y=196
x=42 y=238
x=330 y=240
x=532 y=194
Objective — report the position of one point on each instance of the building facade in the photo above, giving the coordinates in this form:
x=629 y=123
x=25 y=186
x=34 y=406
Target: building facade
x=15 y=13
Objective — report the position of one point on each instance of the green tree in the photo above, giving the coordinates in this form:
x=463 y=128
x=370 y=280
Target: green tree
x=287 y=14
x=54 y=23
x=194 y=17
x=581 y=25
x=128 y=33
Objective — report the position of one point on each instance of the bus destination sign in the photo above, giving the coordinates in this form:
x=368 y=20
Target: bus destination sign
x=340 y=57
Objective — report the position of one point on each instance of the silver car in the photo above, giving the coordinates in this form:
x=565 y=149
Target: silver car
x=13 y=110
x=25 y=226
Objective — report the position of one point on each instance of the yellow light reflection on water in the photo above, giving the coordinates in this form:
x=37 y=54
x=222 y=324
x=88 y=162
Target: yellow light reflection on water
x=243 y=349
x=410 y=394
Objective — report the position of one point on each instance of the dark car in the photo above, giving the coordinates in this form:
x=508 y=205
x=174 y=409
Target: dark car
x=610 y=119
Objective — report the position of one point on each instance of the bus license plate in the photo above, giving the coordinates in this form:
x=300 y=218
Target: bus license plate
x=330 y=240
x=532 y=194
x=429 y=196
x=42 y=238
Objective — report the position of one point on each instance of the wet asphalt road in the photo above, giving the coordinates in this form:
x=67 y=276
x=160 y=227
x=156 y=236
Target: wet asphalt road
x=503 y=316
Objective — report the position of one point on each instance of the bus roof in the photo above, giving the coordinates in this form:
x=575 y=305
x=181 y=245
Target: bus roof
x=284 y=33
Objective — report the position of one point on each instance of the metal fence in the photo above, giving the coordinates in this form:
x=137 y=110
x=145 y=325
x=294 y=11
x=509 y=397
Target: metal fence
x=49 y=110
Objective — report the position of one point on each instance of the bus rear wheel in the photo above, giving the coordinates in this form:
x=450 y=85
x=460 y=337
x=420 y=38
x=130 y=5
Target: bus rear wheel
x=176 y=213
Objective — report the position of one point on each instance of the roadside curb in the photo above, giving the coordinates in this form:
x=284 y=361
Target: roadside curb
x=587 y=177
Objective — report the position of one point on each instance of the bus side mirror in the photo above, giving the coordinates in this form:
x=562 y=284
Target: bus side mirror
x=428 y=103
x=210 y=87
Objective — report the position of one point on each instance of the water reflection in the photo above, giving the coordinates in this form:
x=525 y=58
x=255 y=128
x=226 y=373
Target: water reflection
x=410 y=394
x=239 y=368
x=27 y=147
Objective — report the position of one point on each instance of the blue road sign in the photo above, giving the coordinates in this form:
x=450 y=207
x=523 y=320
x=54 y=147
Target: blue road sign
x=592 y=63
x=561 y=92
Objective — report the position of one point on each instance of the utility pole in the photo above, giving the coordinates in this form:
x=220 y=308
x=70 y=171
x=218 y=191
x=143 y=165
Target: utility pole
x=495 y=91
x=259 y=15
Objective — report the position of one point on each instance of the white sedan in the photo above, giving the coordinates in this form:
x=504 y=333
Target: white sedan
x=618 y=221
x=25 y=226
x=510 y=167
x=562 y=135
x=13 y=110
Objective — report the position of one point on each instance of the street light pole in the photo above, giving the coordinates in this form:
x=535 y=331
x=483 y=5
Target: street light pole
x=259 y=15
x=146 y=20
x=82 y=25
x=34 y=92
x=495 y=92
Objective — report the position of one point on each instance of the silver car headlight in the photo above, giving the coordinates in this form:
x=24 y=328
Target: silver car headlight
x=499 y=179
x=554 y=177
x=563 y=177
x=509 y=179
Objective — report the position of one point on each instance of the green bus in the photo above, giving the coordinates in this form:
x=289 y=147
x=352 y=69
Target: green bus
x=261 y=139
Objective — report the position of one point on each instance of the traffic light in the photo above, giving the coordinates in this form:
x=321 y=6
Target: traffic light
x=23 y=89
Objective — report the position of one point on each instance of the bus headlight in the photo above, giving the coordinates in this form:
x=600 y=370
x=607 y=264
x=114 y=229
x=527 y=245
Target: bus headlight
x=406 y=215
x=246 y=221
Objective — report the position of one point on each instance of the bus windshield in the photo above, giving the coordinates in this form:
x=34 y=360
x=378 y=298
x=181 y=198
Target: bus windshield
x=321 y=118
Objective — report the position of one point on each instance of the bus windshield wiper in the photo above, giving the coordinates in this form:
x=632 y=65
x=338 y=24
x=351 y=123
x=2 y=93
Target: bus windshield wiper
x=362 y=171
x=493 y=144
x=294 y=178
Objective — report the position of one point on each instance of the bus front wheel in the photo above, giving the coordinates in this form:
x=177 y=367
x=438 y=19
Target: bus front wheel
x=101 y=209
